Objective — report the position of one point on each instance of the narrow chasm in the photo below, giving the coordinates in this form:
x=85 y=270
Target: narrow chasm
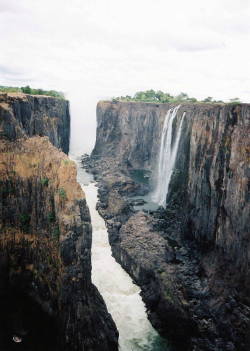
x=120 y=293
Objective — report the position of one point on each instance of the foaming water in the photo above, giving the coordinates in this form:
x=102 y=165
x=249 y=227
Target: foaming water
x=167 y=156
x=121 y=295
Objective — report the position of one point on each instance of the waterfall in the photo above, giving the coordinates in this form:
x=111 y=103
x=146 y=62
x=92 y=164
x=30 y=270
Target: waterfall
x=167 y=156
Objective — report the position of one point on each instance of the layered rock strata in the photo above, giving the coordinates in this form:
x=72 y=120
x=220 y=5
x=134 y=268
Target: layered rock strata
x=190 y=259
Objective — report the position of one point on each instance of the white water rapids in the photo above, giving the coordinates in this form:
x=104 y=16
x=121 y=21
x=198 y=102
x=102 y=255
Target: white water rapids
x=121 y=295
x=167 y=156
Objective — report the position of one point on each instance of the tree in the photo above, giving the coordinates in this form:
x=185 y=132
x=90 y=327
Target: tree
x=182 y=96
x=208 y=99
x=26 y=90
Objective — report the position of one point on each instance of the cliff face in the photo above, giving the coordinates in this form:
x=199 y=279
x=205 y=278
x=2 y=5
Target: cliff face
x=46 y=294
x=27 y=115
x=191 y=259
x=129 y=132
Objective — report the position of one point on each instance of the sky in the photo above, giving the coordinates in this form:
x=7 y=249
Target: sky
x=97 y=49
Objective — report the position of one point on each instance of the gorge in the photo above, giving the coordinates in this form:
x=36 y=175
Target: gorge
x=173 y=189
x=120 y=293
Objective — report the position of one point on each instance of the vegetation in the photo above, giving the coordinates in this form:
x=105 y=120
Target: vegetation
x=28 y=90
x=66 y=162
x=45 y=181
x=161 y=97
x=56 y=233
x=62 y=193
x=51 y=217
x=24 y=221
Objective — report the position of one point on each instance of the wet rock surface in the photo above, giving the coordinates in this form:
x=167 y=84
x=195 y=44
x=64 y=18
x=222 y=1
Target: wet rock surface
x=191 y=258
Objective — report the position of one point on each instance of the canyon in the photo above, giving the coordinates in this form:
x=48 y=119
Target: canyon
x=173 y=189
x=47 y=300
x=190 y=257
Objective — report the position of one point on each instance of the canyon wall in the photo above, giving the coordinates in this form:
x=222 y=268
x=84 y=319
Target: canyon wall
x=27 y=115
x=46 y=295
x=190 y=259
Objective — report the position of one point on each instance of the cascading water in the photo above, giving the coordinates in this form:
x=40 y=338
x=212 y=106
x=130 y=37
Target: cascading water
x=121 y=295
x=167 y=156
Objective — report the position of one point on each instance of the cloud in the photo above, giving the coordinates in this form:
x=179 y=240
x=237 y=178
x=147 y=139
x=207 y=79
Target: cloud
x=9 y=6
x=94 y=48
x=14 y=76
x=6 y=70
x=11 y=71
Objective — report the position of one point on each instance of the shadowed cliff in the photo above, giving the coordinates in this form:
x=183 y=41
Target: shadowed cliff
x=47 y=298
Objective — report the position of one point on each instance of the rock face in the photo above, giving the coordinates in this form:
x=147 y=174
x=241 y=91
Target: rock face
x=190 y=259
x=27 y=115
x=129 y=132
x=46 y=295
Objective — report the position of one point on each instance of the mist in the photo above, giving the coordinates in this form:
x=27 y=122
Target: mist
x=83 y=123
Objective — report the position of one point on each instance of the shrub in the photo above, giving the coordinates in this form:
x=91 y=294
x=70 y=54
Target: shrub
x=56 y=233
x=62 y=193
x=51 y=217
x=24 y=221
x=45 y=181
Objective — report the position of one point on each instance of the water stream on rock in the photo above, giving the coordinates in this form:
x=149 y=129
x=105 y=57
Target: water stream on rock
x=167 y=156
x=121 y=295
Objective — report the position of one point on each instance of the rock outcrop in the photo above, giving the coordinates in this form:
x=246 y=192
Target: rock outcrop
x=27 y=115
x=47 y=298
x=190 y=259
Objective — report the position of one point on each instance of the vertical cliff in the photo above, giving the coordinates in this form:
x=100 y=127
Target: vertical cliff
x=190 y=259
x=129 y=132
x=46 y=295
x=27 y=115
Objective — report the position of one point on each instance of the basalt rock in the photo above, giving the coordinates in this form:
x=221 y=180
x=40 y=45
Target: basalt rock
x=190 y=259
x=27 y=115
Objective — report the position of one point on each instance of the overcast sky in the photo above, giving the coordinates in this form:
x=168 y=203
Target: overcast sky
x=95 y=49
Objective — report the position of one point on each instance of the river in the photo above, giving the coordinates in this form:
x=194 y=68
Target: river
x=121 y=295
